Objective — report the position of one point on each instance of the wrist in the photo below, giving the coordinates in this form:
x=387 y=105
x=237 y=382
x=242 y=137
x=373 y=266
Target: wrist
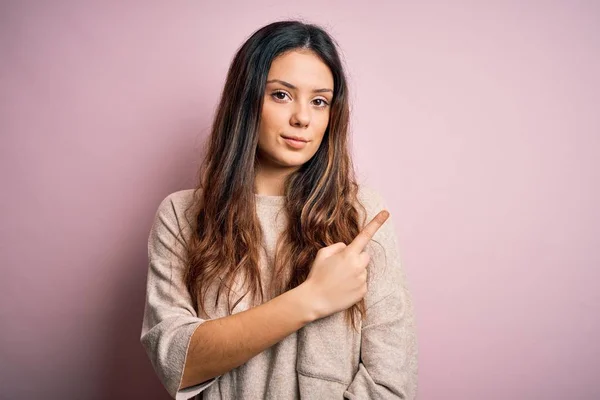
x=304 y=297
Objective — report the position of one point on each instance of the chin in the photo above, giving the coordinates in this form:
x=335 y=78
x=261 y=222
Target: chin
x=291 y=162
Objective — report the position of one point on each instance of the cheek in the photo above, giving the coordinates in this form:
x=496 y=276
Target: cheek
x=272 y=116
x=322 y=123
x=265 y=127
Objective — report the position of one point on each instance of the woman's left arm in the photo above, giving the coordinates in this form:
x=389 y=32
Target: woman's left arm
x=388 y=366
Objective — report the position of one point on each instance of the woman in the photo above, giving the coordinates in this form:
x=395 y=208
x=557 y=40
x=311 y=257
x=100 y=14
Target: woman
x=276 y=277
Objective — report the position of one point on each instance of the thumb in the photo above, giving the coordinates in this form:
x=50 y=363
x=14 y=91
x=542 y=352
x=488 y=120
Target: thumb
x=332 y=249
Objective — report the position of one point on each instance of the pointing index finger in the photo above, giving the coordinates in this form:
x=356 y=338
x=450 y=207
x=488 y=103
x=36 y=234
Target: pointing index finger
x=362 y=239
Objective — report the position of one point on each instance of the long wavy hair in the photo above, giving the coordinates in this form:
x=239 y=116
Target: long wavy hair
x=321 y=197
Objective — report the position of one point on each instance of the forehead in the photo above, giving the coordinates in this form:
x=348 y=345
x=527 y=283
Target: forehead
x=303 y=69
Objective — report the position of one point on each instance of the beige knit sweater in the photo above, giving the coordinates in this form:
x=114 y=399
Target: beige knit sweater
x=323 y=360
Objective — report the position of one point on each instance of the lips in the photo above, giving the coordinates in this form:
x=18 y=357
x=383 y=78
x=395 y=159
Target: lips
x=298 y=138
x=294 y=144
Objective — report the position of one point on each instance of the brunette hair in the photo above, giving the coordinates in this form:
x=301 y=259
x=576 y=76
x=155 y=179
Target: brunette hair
x=321 y=197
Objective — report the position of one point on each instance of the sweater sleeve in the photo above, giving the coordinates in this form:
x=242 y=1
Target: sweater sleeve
x=169 y=316
x=388 y=365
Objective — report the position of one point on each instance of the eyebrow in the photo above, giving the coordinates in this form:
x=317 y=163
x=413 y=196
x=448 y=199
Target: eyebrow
x=284 y=83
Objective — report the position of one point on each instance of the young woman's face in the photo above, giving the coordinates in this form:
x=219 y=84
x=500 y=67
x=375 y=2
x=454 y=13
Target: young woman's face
x=297 y=103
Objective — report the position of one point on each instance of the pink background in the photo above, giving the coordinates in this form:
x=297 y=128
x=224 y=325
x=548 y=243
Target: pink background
x=479 y=124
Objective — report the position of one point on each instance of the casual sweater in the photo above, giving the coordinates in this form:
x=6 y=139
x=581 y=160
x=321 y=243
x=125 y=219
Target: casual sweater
x=325 y=359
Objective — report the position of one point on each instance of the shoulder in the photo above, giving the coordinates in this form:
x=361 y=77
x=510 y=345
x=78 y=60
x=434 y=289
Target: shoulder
x=369 y=195
x=177 y=201
x=372 y=200
x=170 y=224
x=173 y=207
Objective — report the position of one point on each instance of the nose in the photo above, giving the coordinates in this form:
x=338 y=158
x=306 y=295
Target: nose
x=301 y=116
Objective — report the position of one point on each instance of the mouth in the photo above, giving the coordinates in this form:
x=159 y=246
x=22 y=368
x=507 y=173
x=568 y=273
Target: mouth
x=295 y=138
x=295 y=141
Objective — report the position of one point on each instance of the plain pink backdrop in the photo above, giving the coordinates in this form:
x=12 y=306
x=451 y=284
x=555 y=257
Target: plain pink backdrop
x=479 y=124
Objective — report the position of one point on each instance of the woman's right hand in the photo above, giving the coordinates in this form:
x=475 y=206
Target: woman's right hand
x=338 y=275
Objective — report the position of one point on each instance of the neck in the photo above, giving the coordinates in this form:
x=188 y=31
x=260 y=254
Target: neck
x=270 y=181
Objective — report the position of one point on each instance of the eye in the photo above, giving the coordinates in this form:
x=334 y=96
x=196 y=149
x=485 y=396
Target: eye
x=323 y=103
x=279 y=95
